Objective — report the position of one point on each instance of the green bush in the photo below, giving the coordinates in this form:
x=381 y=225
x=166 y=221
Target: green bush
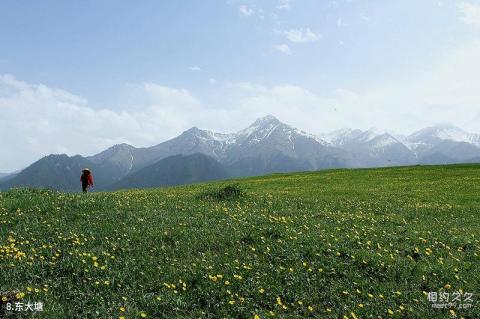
x=228 y=192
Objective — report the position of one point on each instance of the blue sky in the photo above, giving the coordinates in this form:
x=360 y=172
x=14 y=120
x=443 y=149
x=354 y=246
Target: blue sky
x=154 y=68
x=93 y=48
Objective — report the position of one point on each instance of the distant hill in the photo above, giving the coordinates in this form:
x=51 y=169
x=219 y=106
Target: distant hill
x=175 y=170
x=54 y=171
x=62 y=172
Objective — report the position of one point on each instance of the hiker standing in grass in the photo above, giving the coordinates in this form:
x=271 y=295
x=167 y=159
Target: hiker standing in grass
x=86 y=179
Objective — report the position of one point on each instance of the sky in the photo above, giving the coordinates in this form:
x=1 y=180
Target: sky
x=77 y=77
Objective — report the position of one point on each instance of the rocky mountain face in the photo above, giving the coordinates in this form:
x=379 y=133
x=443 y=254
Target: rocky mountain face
x=266 y=146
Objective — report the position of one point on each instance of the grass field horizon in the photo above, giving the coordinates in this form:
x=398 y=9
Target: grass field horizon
x=345 y=243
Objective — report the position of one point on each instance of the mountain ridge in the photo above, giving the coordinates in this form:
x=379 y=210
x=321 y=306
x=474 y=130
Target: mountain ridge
x=266 y=146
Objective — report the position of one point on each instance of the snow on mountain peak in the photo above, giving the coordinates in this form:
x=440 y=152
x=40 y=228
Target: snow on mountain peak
x=340 y=136
x=261 y=128
x=371 y=133
x=444 y=132
x=268 y=119
x=452 y=133
x=210 y=135
x=377 y=138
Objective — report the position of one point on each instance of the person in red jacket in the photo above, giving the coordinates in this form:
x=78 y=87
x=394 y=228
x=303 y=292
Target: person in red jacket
x=87 y=179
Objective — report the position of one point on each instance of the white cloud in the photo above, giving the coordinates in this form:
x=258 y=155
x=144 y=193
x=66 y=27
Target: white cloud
x=470 y=13
x=341 y=23
x=301 y=35
x=195 y=68
x=38 y=120
x=477 y=118
x=245 y=10
x=346 y=94
x=456 y=83
x=283 y=4
x=261 y=14
x=364 y=17
x=284 y=48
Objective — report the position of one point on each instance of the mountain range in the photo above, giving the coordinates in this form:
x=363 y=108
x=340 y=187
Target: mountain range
x=266 y=146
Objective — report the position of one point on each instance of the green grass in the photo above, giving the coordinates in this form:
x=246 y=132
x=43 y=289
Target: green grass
x=346 y=243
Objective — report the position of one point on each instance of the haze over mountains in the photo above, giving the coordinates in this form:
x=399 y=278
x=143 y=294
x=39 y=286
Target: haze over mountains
x=3 y=176
x=266 y=146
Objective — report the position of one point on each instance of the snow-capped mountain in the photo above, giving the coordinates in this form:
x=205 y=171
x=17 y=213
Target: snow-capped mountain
x=431 y=136
x=444 y=143
x=266 y=146
x=432 y=145
x=341 y=137
x=270 y=145
x=373 y=147
x=263 y=127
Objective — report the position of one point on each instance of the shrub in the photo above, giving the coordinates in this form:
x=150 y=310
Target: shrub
x=228 y=192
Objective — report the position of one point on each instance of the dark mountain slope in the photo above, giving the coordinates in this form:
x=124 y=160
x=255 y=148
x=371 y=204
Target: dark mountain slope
x=53 y=171
x=175 y=170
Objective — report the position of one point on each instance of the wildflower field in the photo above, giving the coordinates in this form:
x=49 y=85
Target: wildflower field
x=366 y=243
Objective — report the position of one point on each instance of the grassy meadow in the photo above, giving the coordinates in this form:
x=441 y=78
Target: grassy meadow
x=366 y=243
